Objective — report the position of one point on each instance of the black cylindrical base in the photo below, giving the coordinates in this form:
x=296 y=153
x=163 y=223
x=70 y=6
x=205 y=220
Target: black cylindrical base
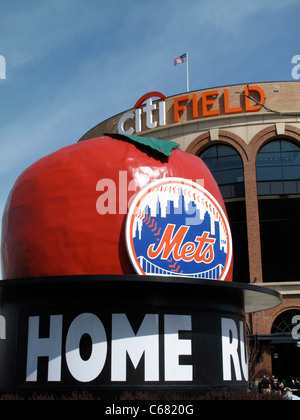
x=115 y=333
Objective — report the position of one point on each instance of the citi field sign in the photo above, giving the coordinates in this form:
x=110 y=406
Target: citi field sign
x=196 y=107
x=176 y=227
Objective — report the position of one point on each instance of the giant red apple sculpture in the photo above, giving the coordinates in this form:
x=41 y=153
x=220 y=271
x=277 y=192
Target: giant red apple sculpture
x=66 y=213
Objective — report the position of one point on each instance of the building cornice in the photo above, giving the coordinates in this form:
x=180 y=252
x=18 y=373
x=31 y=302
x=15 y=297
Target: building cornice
x=284 y=288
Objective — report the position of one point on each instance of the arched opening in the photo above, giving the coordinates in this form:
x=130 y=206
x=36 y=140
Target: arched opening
x=278 y=168
x=226 y=165
x=285 y=348
x=278 y=186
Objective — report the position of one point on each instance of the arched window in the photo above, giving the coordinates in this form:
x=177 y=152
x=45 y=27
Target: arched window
x=284 y=324
x=226 y=165
x=278 y=175
x=285 y=346
x=278 y=168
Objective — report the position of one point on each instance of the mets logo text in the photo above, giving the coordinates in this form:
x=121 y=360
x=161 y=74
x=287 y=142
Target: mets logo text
x=176 y=227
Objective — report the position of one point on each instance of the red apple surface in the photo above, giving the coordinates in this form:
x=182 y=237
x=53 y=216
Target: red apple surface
x=66 y=213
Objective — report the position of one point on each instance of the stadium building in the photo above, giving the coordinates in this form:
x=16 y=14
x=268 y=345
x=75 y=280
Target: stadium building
x=249 y=137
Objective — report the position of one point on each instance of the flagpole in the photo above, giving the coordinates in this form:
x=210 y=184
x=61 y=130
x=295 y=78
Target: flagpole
x=187 y=71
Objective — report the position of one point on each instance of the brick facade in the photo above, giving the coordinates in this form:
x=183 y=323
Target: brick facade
x=222 y=115
x=262 y=321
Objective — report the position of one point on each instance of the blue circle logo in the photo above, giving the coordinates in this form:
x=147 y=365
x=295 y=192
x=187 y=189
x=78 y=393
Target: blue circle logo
x=175 y=227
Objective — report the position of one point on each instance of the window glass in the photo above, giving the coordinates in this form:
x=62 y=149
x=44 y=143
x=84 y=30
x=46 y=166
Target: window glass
x=226 y=166
x=288 y=146
x=273 y=146
x=277 y=162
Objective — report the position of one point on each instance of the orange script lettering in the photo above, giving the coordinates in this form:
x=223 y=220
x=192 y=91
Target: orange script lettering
x=200 y=251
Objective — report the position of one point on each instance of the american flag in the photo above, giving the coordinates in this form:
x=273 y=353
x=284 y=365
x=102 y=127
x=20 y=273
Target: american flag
x=179 y=60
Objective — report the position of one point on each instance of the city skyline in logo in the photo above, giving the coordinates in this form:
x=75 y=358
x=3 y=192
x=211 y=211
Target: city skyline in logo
x=177 y=229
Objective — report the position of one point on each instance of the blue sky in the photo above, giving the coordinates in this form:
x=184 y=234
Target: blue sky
x=71 y=64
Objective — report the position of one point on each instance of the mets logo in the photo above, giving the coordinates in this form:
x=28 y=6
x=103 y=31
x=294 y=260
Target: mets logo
x=175 y=227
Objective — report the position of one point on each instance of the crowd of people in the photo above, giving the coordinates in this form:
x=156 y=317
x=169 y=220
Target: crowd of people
x=273 y=384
